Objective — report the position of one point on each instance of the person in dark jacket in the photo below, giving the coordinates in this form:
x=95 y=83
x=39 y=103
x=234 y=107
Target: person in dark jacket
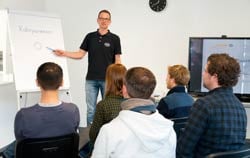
x=177 y=102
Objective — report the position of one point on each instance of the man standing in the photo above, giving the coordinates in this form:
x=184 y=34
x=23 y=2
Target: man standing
x=139 y=130
x=218 y=121
x=103 y=49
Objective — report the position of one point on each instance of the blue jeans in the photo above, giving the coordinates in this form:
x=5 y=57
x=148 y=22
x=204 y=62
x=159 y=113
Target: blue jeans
x=92 y=88
x=9 y=152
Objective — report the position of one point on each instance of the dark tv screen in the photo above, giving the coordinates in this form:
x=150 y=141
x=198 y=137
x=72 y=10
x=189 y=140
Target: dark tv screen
x=199 y=50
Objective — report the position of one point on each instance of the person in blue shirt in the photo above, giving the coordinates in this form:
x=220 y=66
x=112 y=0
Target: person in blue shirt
x=177 y=103
x=50 y=117
x=218 y=121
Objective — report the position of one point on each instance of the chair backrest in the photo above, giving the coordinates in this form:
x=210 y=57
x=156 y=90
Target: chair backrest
x=54 y=147
x=244 y=153
x=179 y=125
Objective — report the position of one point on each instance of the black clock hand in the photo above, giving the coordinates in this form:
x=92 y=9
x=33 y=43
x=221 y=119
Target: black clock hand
x=155 y=3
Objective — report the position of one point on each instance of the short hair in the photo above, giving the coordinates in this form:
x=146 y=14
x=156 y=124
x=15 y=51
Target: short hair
x=49 y=76
x=140 y=82
x=180 y=74
x=104 y=11
x=225 y=67
x=114 y=79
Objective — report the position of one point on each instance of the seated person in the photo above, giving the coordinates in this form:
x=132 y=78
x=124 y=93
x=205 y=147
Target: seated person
x=218 y=121
x=108 y=108
x=50 y=117
x=177 y=103
x=139 y=130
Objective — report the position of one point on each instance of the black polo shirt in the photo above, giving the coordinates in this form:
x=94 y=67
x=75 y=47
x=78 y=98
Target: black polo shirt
x=101 y=53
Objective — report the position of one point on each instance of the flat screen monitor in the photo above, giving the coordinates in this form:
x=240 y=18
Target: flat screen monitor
x=199 y=50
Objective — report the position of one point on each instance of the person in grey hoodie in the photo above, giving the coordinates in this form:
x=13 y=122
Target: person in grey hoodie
x=139 y=130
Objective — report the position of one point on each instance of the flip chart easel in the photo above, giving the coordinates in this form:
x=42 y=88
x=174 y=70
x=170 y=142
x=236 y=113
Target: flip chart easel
x=30 y=34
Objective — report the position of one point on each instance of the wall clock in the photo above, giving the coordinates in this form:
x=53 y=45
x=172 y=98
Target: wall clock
x=157 y=5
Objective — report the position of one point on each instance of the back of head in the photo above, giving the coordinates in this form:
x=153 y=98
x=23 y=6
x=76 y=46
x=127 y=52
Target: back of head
x=114 y=79
x=225 y=67
x=180 y=74
x=140 y=82
x=49 y=76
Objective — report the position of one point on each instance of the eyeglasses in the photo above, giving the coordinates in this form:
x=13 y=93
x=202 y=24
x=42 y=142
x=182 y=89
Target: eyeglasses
x=104 y=19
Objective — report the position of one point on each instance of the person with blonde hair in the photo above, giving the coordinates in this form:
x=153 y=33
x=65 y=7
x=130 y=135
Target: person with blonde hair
x=177 y=102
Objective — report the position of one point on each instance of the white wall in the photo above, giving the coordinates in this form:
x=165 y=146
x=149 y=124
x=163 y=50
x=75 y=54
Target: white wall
x=37 y=5
x=150 y=39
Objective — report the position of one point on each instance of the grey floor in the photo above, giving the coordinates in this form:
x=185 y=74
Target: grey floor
x=84 y=136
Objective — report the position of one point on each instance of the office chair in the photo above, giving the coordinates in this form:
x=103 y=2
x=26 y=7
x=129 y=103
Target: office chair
x=1 y=151
x=54 y=147
x=179 y=125
x=243 y=153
